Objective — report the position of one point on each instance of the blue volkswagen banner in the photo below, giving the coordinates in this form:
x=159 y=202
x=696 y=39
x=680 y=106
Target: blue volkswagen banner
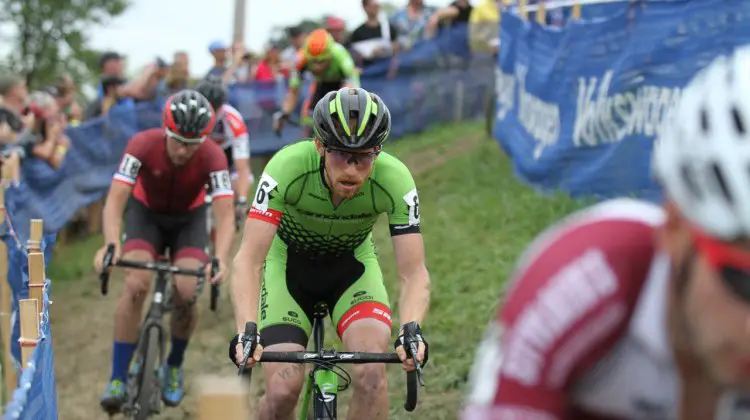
x=579 y=106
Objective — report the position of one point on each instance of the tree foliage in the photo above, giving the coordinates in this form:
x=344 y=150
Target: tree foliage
x=50 y=37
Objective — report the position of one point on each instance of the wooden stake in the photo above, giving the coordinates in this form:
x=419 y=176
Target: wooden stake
x=541 y=13
x=223 y=397
x=28 y=310
x=9 y=369
x=36 y=232
x=36 y=278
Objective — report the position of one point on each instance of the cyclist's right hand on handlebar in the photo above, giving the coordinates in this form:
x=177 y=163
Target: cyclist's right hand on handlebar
x=237 y=351
x=99 y=257
x=279 y=118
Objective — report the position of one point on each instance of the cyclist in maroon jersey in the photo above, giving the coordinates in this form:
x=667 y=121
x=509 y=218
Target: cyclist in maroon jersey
x=160 y=188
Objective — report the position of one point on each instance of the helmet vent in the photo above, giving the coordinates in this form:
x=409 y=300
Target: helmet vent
x=688 y=175
x=705 y=126
x=721 y=182
x=739 y=124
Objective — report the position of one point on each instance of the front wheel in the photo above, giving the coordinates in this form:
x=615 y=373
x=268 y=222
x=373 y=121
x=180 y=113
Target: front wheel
x=148 y=400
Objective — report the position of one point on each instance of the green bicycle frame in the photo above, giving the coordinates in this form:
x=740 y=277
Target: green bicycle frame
x=327 y=381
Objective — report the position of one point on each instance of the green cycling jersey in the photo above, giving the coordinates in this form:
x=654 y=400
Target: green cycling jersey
x=341 y=69
x=325 y=253
x=292 y=194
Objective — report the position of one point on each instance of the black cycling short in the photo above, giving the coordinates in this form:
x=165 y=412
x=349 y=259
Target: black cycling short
x=230 y=158
x=184 y=233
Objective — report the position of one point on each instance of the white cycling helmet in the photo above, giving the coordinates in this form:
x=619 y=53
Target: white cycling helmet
x=702 y=156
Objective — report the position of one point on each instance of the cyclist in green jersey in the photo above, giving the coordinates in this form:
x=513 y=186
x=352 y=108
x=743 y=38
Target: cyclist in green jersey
x=330 y=64
x=309 y=235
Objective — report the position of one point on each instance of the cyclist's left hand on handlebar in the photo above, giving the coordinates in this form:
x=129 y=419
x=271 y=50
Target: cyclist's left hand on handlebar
x=220 y=273
x=422 y=353
x=99 y=257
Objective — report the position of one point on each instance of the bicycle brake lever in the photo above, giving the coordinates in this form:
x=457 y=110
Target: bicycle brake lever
x=248 y=346
x=412 y=345
x=104 y=275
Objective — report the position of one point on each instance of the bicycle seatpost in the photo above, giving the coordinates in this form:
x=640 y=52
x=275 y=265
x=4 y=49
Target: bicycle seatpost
x=248 y=347
x=412 y=347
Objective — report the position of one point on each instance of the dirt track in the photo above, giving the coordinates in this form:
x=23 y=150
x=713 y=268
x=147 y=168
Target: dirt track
x=82 y=325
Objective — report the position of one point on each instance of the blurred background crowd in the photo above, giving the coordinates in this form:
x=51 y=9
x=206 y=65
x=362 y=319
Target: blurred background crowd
x=37 y=108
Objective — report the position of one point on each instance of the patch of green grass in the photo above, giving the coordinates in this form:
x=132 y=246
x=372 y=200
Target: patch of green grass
x=73 y=260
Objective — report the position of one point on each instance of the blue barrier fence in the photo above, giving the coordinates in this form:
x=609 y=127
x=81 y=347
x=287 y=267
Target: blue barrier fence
x=578 y=106
x=436 y=82
x=36 y=396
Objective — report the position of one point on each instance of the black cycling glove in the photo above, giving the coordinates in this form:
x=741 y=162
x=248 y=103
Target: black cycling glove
x=401 y=340
x=233 y=346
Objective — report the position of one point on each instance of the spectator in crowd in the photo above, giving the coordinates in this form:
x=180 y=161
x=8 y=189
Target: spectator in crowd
x=269 y=68
x=218 y=50
x=296 y=38
x=246 y=70
x=458 y=11
x=9 y=151
x=157 y=81
x=11 y=128
x=64 y=92
x=178 y=76
x=375 y=39
x=410 y=22
x=50 y=126
x=17 y=127
x=112 y=65
x=337 y=28
x=14 y=93
x=111 y=88
x=236 y=69
x=484 y=26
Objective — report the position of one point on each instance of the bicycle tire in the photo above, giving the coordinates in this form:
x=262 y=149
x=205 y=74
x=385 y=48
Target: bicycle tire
x=149 y=390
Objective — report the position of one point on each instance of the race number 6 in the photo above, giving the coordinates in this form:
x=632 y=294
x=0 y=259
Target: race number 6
x=265 y=186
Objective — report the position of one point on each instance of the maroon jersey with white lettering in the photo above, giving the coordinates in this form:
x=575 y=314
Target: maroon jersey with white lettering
x=164 y=187
x=582 y=333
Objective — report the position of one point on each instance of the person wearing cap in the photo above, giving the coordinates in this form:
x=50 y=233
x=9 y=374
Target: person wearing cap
x=218 y=50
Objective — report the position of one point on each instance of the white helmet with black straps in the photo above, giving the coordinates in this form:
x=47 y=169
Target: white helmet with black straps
x=702 y=156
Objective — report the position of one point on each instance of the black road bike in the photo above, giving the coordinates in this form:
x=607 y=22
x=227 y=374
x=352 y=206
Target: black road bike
x=322 y=384
x=143 y=385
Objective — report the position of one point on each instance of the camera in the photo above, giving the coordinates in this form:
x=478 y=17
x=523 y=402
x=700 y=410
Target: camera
x=9 y=117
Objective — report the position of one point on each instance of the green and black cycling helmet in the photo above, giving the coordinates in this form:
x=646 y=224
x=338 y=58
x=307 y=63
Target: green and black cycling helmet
x=351 y=118
x=214 y=90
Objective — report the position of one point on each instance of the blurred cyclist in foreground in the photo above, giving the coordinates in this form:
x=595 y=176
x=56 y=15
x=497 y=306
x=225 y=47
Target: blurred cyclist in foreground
x=630 y=310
